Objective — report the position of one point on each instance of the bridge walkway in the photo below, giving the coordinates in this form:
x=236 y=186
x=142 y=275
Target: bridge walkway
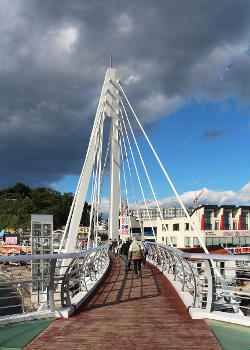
x=128 y=313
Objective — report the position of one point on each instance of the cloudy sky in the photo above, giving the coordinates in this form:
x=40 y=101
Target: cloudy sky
x=185 y=69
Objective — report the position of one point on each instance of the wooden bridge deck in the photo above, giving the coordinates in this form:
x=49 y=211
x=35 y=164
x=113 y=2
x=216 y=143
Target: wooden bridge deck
x=127 y=313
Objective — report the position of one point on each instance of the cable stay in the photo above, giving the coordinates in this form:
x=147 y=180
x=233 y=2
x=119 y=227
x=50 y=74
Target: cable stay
x=130 y=176
x=166 y=174
x=146 y=172
x=169 y=181
x=94 y=171
x=138 y=177
x=111 y=105
x=95 y=184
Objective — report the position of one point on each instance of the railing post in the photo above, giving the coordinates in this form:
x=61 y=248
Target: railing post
x=65 y=297
x=183 y=274
x=174 y=264
x=211 y=288
x=195 y=282
x=51 y=286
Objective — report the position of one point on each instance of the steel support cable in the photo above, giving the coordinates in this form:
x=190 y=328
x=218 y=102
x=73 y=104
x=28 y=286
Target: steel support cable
x=92 y=204
x=130 y=175
x=120 y=202
x=95 y=174
x=166 y=174
x=102 y=170
x=99 y=181
x=95 y=203
x=104 y=166
x=105 y=160
x=124 y=175
x=95 y=126
x=93 y=194
x=174 y=190
x=91 y=210
x=138 y=177
x=131 y=180
x=125 y=182
x=146 y=172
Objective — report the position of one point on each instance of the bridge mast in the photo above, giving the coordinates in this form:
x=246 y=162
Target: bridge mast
x=108 y=106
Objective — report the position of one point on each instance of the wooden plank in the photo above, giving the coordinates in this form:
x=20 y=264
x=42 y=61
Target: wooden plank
x=127 y=313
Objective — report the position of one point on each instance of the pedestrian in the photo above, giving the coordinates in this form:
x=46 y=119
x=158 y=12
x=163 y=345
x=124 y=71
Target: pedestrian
x=145 y=247
x=136 y=253
x=110 y=245
x=119 y=247
x=124 y=252
x=115 y=248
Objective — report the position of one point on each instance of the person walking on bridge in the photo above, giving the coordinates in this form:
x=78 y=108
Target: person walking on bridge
x=124 y=252
x=145 y=247
x=115 y=248
x=136 y=253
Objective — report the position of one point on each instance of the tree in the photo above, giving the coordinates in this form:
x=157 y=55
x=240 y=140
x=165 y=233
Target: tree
x=17 y=203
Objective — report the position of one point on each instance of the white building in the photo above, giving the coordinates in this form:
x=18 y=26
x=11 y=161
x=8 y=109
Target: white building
x=225 y=225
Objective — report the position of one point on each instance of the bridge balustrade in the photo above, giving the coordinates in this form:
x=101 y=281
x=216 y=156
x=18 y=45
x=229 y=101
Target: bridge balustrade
x=56 y=288
x=206 y=283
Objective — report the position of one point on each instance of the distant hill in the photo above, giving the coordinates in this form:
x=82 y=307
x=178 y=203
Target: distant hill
x=19 y=201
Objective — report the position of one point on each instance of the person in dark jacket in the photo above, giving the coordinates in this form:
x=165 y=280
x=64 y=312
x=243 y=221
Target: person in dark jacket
x=145 y=247
x=124 y=252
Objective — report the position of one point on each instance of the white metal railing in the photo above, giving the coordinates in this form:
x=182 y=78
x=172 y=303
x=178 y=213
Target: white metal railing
x=208 y=282
x=223 y=285
x=44 y=288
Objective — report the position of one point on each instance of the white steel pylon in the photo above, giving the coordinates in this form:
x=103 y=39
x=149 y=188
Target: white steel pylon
x=109 y=106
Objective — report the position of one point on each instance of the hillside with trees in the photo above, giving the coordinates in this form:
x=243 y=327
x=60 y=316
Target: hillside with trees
x=17 y=203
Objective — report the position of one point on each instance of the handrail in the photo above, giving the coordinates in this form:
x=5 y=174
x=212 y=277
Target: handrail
x=196 y=281
x=27 y=257
x=49 y=289
x=238 y=257
x=192 y=275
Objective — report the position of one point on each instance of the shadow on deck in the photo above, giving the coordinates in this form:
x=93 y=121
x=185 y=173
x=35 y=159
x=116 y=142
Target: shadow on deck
x=128 y=313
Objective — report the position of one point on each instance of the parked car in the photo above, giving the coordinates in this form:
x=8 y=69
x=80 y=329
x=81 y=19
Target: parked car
x=18 y=263
x=243 y=273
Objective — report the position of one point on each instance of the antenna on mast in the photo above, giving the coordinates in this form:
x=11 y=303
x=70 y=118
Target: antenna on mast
x=110 y=56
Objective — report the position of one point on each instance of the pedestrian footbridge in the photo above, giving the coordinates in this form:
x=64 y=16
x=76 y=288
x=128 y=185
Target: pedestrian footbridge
x=97 y=305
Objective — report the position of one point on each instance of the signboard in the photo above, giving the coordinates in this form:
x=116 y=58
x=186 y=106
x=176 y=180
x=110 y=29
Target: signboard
x=219 y=233
x=211 y=234
x=11 y=249
x=240 y=250
x=124 y=230
x=9 y=230
x=236 y=233
x=11 y=240
x=83 y=229
x=125 y=220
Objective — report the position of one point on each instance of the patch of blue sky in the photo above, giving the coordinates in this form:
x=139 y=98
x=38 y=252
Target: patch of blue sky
x=202 y=145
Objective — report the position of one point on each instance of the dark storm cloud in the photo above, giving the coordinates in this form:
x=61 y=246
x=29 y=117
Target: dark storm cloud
x=53 y=59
